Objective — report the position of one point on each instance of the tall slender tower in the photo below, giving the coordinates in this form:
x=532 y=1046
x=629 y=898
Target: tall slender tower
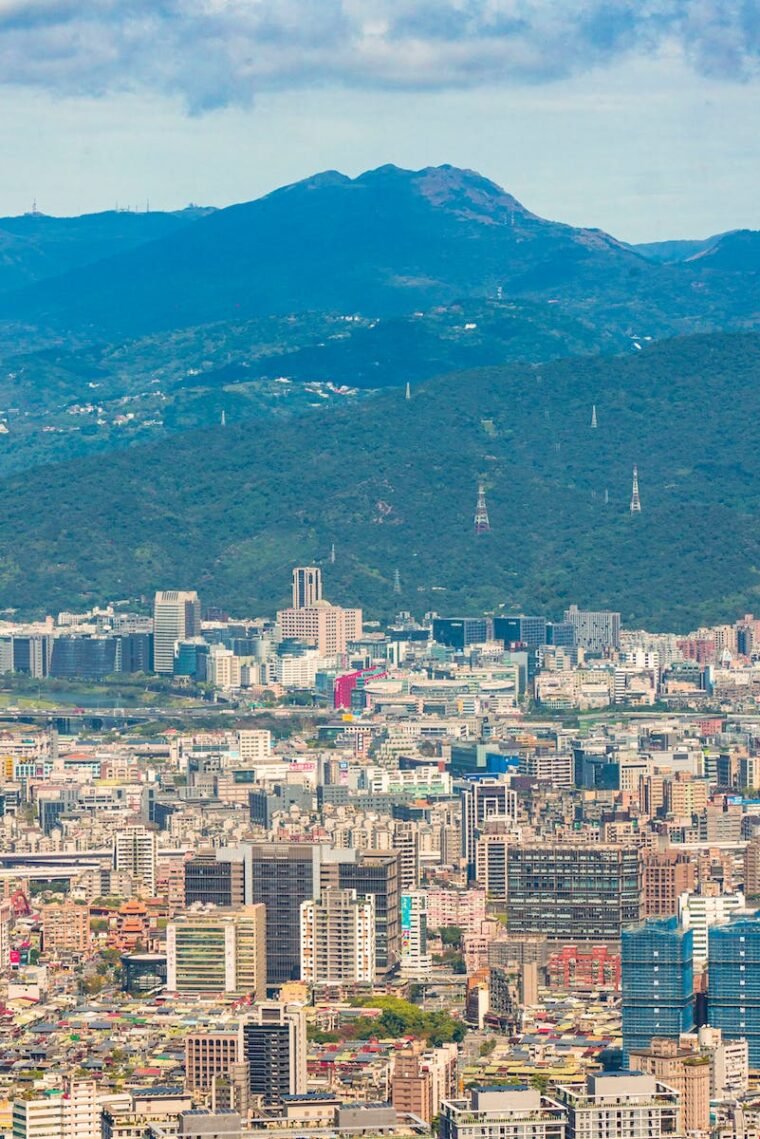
x=593 y=415
x=482 y=525
x=635 y=500
x=332 y=554
x=396 y=582
x=224 y=418
x=408 y=391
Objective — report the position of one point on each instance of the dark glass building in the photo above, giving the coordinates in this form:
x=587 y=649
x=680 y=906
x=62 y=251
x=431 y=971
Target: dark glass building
x=574 y=893
x=283 y=876
x=530 y=631
x=459 y=632
x=214 y=881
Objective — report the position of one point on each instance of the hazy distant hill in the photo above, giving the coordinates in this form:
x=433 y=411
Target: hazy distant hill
x=386 y=243
x=35 y=246
x=393 y=482
x=664 y=251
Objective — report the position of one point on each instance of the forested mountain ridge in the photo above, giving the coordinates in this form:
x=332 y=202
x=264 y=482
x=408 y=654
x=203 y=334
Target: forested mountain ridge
x=392 y=482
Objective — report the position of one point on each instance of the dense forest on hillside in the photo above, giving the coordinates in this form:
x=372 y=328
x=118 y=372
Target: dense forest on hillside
x=392 y=482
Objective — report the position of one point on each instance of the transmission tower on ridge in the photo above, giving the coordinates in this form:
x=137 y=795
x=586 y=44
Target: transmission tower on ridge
x=482 y=525
x=396 y=582
x=593 y=415
x=635 y=500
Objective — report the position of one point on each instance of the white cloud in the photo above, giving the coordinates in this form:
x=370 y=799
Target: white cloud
x=215 y=53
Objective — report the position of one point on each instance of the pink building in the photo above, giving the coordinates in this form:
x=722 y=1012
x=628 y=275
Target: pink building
x=329 y=628
x=463 y=908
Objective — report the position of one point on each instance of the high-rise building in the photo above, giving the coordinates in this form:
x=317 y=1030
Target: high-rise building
x=686 y=1072
x=328 y=628
x=584 y=892
x=595 y=631
x=377 y=873
x=657 y=982
x=733 y=998
x=135 y=853
x=752 y=869
x=484 y=800
x=416 y=960
x=284 y=875
x=207 y=1055
x=699 y=911
x=491 y=855
x=217 y=952
x=72 y=1112
x=460 y=632
x=338 y=938
x=667 y=875
x=618 y=1105
x=406 y=840
x=214 y=878
x=223 y=668
x=65 y=929
x=307 y=586
x=176 y=617
x=530 y=631
x=273 y=1044
x=520 y=1112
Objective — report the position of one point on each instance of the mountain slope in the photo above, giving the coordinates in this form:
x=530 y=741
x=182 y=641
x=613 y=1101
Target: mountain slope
x=392 y=483
x=34 y=246
x=677 y=250
x=388 y=242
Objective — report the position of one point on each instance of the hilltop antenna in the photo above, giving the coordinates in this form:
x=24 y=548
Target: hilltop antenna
x=332 y=554
x=408 y=392
x=635 y=500
x=593 y=415
x=482 y=525
x=396 y=582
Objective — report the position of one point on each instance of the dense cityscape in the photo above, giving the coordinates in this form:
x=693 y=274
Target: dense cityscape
x=476 y=877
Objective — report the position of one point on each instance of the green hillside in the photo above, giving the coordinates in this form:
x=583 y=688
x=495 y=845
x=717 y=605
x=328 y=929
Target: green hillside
x=393 y=482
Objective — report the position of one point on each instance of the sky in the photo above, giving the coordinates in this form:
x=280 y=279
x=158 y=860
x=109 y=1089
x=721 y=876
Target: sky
x=636 y=116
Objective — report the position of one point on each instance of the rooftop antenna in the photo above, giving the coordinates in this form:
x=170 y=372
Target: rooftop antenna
x=593 y=415
x=332 y=554
x=635 y=500
x=408 y=392
x=396 y=582
x=482 y=525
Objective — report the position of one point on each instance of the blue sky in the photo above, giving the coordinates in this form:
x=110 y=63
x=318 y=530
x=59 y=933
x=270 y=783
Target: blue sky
x=638 y=116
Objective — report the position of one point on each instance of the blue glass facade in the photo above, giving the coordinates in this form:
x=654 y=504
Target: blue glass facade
x=733 y=995
x=657 y=982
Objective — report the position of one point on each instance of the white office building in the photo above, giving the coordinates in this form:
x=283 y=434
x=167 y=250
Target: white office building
x=176 y=617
